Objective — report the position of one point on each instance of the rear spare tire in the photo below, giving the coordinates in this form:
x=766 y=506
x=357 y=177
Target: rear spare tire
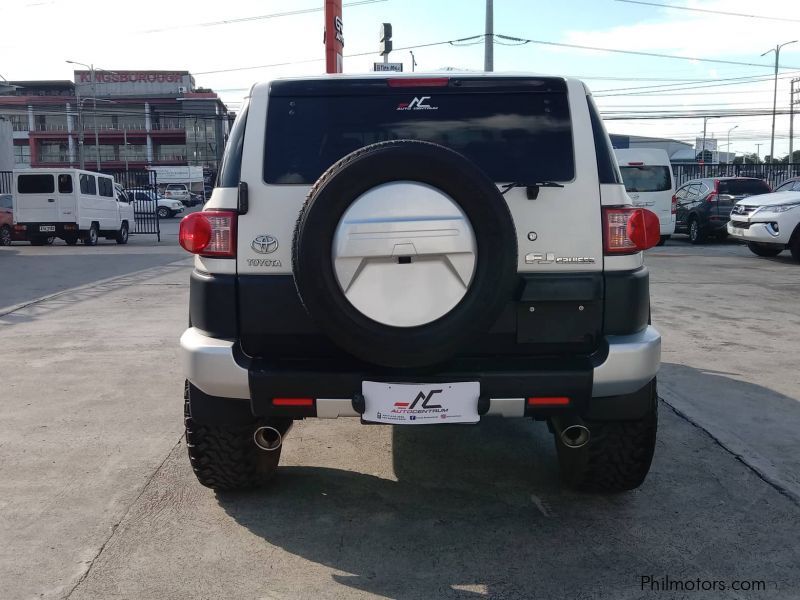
x=403 y=251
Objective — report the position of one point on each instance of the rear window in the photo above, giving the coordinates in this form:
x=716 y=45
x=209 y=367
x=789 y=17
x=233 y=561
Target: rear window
x=646 y=179
x=735 y=187
x=523 y=137
x=35 y=184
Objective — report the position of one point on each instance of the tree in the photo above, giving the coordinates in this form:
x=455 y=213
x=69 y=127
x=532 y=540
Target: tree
x=750 y=159
x=795 y=158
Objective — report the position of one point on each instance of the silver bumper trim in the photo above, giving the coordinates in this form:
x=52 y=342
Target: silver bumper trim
x=209 y=364
x=632 y=361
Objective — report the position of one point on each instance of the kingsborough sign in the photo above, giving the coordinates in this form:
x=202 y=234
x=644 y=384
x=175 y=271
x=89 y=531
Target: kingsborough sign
x=133 y=83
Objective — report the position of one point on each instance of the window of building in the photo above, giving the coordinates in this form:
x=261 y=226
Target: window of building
x=22 y=155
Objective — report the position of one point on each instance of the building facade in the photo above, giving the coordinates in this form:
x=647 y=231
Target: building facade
x=116 y=120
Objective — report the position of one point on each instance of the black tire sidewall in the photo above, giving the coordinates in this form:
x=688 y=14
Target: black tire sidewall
x=495 y=270
x=5 y=235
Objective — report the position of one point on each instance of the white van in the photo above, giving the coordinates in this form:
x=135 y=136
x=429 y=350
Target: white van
x=649 y=182
x=70 y=204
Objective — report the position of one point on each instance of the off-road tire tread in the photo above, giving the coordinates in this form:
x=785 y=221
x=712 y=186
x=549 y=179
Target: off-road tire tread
x=617 y=457
x=225 y=457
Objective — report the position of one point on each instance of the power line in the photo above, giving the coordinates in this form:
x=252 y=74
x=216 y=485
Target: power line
x=311 y=60
x=636 y=52
x=713 y=12
x=288 y=13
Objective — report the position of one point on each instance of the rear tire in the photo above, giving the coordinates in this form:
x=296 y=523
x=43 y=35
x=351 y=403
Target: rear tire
x=225 y=457
x=91 y=236
x=697 y=235
x=618 y=455
x=5 y=235
x=767 y=250
x=663 y=240
x=122 y=234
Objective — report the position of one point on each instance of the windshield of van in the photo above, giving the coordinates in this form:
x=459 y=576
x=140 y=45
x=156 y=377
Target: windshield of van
x=646 y=178
x=514 y=137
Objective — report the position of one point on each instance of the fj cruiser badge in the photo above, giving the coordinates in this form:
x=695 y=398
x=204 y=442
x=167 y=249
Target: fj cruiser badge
x=264 y=244
x=549 y=258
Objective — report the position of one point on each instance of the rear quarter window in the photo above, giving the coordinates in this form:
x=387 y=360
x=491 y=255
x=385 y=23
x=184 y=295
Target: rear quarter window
x=516 y=136
x=35 y=184
x=607 y=169
x=230 y=171
x=106 y=187
x=88 y=184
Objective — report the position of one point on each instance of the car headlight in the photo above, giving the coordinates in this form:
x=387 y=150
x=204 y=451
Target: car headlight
x=777 y=208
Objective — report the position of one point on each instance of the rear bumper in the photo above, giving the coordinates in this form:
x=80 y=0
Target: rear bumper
x=218 y=369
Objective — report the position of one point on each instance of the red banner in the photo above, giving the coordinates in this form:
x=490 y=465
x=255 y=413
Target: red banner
x=334 y=36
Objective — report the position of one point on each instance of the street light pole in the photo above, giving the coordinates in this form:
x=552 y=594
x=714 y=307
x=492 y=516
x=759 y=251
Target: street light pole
x=94 y=107
x=758 y=152
x=728 y=145
x=777 y=51
x=488 y=40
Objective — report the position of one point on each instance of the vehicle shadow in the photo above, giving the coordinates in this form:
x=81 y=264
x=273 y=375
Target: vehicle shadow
x=479 y=512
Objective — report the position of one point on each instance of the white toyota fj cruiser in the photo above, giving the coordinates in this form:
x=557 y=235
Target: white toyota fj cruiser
x=420 y=250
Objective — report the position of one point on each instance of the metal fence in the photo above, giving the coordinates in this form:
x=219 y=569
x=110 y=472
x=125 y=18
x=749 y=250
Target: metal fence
x=145 y=213
x=5 y=182
x=774 y=173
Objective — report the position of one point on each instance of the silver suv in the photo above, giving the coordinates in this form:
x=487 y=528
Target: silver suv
x=420 y=250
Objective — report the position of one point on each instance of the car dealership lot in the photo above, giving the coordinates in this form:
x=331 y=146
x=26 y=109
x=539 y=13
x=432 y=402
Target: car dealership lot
x=97 y=499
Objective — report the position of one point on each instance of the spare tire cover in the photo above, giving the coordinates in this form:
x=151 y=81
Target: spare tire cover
x=403 y=252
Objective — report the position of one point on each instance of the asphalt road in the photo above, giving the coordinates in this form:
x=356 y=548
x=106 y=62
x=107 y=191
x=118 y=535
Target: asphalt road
x=97 y=499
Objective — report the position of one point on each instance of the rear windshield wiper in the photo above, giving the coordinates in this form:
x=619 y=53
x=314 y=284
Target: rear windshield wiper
x=531 y=189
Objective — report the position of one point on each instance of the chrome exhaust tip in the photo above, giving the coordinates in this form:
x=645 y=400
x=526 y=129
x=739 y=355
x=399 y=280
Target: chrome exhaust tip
x=575 y=436
x=268 y=438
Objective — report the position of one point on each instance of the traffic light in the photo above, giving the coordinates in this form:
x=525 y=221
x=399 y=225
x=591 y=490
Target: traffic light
x=386 y=39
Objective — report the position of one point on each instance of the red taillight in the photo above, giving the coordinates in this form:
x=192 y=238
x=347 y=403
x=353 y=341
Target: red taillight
x=292 y=401
x=418 y=82
x=674 y=208
x=209 y=233
x=630 y=230
x=548 y=401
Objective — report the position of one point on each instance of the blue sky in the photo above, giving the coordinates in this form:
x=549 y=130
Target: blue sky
x=90 y=31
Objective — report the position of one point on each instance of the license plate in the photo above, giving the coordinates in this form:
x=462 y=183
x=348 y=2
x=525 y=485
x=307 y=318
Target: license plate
x=47 y=227
x=421 y=403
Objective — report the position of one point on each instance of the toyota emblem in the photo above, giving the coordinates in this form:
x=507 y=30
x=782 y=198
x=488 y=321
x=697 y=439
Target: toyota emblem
x=264 y=244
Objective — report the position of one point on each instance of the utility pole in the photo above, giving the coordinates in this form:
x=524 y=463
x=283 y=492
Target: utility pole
x=777 y=51
x=792 y=102
x=703 y=149
x=488 y=40
x=758 y=153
